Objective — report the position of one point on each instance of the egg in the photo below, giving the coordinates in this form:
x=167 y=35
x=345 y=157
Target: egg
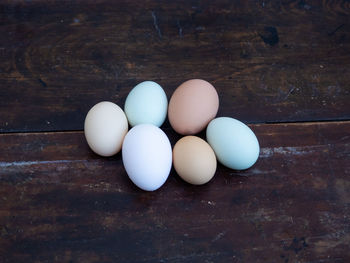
x=147 y=156
x=105 y=127
x=192 y=106
x=146 y=103
x=234 y=143
x=194 y=160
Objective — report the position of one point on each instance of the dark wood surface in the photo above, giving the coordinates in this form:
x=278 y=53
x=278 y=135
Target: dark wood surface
x=282 y=66
x=270 y=61
x=61 y=202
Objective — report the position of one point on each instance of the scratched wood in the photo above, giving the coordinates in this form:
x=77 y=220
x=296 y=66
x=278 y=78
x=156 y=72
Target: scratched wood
x=59 y=202
x=270 y=61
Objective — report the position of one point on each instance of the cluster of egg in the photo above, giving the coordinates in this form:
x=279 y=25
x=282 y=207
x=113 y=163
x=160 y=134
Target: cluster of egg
x=146 y=150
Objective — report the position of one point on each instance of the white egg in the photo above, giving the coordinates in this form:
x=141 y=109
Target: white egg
x=105 y=128
x=147 y=156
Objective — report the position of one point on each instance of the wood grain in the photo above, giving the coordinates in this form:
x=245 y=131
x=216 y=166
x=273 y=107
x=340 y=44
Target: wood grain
x=61 y=203
x=271 y=61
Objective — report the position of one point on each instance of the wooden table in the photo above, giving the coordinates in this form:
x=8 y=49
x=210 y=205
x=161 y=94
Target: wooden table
x=283 y=67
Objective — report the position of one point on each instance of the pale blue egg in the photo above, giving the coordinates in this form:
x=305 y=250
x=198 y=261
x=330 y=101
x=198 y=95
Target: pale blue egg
x=146 y=103
x=234 y=143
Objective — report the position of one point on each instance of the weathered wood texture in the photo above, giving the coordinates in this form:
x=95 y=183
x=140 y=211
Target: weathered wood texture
x=61 y=203
x=270 y=61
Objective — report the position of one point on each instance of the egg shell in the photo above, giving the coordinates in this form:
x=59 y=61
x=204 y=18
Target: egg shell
x=146 y=103
x=147 y=156
x=105 y=127
x=194 y=160
x=192 y=106
x=233 y=142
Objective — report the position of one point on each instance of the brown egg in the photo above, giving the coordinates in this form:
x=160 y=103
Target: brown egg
x=192 y=106
x=194 y=160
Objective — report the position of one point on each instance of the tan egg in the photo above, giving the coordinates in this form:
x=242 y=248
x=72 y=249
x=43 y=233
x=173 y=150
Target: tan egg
x=105 y=127
x=194 y=160
x=192 y=106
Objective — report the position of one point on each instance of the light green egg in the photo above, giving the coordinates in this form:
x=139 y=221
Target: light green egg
x=234 y=143
x=146 y=103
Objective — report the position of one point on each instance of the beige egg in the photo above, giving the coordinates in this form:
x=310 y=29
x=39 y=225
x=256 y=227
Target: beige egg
x=194 y=160
x=192 y=106
x=105 y=127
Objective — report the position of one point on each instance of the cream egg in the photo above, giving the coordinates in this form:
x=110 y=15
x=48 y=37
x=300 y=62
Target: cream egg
x=105 y=127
